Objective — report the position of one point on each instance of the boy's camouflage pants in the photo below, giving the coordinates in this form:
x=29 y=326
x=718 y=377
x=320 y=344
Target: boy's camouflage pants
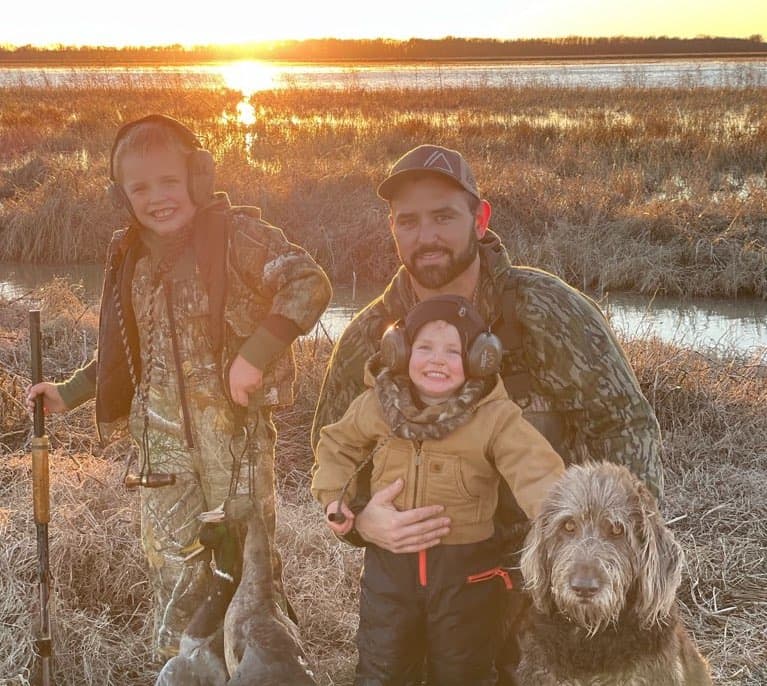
x=169 y=514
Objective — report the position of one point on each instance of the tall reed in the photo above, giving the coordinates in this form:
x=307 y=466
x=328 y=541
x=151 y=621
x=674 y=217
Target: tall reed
x=649 y=190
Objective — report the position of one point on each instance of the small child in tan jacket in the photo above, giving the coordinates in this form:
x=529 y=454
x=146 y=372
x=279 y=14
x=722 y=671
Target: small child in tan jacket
x=438 y=416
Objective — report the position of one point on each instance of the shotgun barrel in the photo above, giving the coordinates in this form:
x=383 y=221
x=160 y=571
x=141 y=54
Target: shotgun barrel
x=41 y=503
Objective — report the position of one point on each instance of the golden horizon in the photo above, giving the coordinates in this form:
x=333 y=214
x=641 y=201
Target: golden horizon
x=276 y=43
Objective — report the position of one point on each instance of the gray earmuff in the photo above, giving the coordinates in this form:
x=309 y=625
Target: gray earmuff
x=201 y=167
x=483 y=357
x=117 y=196
x=395 y=349
x=202 y=171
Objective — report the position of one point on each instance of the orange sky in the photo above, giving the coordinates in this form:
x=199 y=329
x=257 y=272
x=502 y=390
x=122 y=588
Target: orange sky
x=158 y=22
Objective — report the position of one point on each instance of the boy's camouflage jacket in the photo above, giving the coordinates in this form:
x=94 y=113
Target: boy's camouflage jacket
x=263 y=292
x=562 y=364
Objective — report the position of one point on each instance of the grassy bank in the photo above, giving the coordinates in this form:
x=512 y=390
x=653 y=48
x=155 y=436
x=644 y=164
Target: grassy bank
x=630 y=189
x=715 y=430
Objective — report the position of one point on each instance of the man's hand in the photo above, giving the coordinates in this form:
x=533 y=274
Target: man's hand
x=244 y=379
x=52 y=402
x=400 y=532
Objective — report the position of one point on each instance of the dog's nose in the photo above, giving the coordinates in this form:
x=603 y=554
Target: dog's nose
x=584 y=583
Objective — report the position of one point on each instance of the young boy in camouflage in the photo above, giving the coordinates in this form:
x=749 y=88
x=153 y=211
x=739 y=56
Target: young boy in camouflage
x=201 y=303
x=438 y=417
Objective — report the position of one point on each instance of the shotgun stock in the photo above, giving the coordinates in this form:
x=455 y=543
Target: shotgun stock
x=41 y=503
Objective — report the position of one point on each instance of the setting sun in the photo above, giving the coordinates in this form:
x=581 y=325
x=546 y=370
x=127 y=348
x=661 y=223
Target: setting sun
x=248 y=76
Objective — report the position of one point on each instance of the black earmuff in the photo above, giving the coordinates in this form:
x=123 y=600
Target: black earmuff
x=201 y=167
x=483 y=357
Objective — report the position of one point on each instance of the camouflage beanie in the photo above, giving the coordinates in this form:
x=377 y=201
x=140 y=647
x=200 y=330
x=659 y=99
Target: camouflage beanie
x=453 y=309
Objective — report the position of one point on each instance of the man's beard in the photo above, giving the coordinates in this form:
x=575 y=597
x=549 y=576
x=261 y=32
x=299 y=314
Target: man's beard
x=438 y=275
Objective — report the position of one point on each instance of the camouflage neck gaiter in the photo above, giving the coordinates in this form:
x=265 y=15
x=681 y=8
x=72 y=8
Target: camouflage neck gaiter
x=408 y=420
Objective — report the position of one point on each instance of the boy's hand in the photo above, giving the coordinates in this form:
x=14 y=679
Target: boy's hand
x=340 y=528
x=244 y=379
x=52 y=402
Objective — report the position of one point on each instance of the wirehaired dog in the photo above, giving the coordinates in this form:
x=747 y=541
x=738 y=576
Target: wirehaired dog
x=602 y=571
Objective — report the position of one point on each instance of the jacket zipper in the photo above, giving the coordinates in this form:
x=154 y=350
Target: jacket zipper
x=417 y=461
x=422 y=567
x=168 y=290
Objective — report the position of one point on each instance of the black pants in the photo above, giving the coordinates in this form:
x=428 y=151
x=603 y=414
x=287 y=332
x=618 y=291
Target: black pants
x=516 y=606
x=413 y=614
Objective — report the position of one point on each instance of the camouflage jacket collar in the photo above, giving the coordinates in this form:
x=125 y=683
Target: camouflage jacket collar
x=130 y=237
x=400 y=296
x=494 y=269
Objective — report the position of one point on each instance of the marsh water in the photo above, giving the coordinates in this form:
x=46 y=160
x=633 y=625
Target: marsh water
x=707 y=324
x=250 y=76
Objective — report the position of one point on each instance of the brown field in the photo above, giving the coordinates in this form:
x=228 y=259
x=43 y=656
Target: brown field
x=630 y=189
x=711 y=411
x=654 y=191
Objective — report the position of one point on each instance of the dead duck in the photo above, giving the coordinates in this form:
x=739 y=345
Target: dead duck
x=200 y=660
x=261 y=644
x=198 y=663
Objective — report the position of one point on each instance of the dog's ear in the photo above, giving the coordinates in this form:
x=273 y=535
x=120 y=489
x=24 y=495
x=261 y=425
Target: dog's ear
x=535 y=567
x=660 y=562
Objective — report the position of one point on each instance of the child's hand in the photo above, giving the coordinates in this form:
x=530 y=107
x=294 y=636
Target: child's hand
x=244 y=379
x=52 y=402
x=339 y=528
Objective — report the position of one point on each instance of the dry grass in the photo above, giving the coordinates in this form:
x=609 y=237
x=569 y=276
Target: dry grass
x=711 y=410
x=651 y=190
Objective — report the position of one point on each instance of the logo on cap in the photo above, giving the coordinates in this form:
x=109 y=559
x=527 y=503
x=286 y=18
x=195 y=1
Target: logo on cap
x=433 y=158
x=438 y=160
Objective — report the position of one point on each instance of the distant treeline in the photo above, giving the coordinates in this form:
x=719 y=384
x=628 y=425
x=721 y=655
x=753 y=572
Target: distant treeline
x=416 y=49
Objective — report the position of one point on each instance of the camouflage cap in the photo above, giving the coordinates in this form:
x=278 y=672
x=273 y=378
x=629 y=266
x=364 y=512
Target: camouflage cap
x=430 y=158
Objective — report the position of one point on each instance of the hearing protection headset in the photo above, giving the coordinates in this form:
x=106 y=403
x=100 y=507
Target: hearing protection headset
x=481 y=356
x=199 y=162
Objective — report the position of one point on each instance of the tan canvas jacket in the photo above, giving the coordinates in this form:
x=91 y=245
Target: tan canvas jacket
x=460 y=471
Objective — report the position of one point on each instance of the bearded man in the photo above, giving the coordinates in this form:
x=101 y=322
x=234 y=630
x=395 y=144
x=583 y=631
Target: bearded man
x=561 y=363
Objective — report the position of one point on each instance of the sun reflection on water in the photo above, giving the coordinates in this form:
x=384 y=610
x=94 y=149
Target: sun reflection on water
x=246 y=113
x=248 y=77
